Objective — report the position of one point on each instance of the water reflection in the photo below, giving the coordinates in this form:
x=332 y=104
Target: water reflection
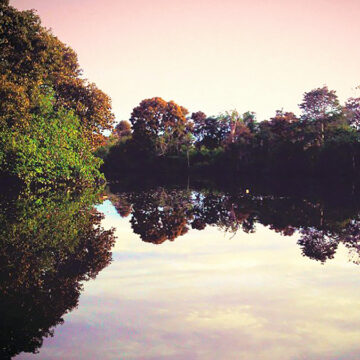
x=225 y=281
x=49 y=245
x=164 y=214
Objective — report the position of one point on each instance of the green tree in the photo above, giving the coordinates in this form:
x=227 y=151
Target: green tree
x=32 y=60
x=50 y=150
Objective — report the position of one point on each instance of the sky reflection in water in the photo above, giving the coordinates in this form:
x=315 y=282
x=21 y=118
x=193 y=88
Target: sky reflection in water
x=212 y=295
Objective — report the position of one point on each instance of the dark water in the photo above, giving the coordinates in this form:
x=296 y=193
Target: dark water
x=194 y=273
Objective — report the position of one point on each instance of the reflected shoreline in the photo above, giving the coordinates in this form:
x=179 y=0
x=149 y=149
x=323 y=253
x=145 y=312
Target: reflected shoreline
x=158 y=214
x=50 y=244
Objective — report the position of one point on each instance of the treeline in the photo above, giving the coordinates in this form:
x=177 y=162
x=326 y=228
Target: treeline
x=162 y=136
x=51 y=118
x=53 y=121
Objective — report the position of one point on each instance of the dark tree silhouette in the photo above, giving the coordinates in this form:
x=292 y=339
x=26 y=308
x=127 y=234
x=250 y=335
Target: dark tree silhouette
x=317 y=245
x=320 y=106
x=161 y=214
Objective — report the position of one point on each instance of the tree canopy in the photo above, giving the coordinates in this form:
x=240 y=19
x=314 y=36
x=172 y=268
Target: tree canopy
x=32 y=60
x=159 y=125
x=54 y=142
x=323 y=141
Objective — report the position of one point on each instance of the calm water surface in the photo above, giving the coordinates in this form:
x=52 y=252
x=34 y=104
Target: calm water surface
x=208 y=275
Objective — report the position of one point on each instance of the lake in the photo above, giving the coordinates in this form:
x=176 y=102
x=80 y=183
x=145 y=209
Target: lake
x=189 y=273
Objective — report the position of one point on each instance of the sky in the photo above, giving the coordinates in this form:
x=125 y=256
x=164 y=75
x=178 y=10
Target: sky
x=213 y=56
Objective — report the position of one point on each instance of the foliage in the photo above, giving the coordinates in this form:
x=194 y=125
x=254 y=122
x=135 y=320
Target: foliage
x=51 y=119
x=110 y=144
x=320 y=106
x=123 y=129
x=33 y=60
x=159 y=126
x=50 y=150
x=50 y=243
x=323 y=141
x=352 y=112
x=208 y=132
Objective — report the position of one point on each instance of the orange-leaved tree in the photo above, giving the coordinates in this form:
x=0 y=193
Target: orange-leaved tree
x=160 y=126
x=32 y=60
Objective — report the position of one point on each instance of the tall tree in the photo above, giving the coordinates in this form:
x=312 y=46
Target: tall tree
x=282 y=126
x=320 y=106
x=352 y=112
x=32 y=58
x=208 y=131
x=159 y=125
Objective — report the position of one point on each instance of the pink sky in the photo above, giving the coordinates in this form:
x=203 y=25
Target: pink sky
x=210 y=55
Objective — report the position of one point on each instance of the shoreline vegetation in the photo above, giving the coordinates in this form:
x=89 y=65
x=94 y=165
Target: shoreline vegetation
x=168 y=171
x=51 y=118
x=161 y=137
x=53 y=121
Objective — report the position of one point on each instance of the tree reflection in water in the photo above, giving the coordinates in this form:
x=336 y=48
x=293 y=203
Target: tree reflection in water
x=164 y=214
x=49 y=245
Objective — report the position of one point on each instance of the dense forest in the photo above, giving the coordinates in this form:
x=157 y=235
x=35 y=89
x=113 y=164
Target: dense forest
x=55 y=125
x=162 y=135
x=51 y=118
